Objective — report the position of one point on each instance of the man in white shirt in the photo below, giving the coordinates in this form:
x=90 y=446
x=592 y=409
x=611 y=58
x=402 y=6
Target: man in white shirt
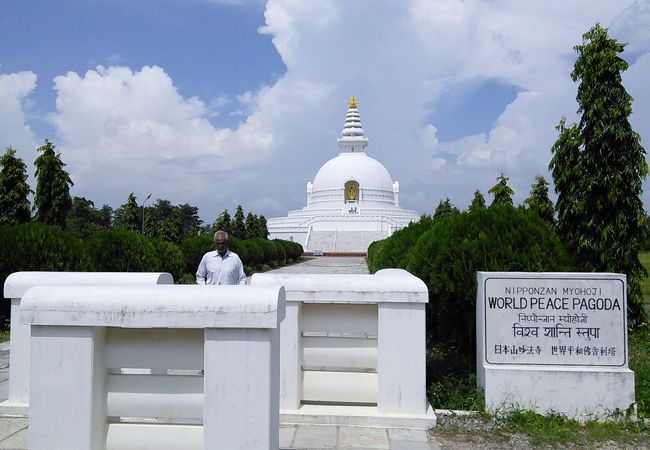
x=220 y=266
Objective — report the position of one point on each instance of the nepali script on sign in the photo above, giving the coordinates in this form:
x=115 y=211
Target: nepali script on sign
x=555 y=321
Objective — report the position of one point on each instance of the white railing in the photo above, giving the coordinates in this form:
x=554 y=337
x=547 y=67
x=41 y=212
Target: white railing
x=353 y=348
x=165 y=367
x=15 y=287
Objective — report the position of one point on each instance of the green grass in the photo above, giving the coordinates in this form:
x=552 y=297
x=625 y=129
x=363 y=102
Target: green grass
x=556 y=429
x=4 y=335
x=639 y=349
x=460 y=392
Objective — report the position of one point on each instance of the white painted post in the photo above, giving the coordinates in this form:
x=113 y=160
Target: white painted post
x=240 y=387
x=67 y=385
x=291 y=357
x=401 y=370
x=15 y=287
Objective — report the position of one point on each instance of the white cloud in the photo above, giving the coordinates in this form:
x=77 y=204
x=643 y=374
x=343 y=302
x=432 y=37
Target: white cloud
x=123 y=131
x=14 y=130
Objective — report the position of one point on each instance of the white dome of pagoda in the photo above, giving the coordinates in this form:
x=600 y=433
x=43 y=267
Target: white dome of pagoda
x=352 y=167
x=367 y=171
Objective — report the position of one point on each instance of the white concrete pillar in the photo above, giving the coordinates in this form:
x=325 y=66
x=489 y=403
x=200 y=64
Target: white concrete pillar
x=67 y=404
x=401 y=369
x=19 y=335
x=240 y=389
x=291 y=358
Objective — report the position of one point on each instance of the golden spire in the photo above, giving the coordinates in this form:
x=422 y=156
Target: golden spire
x=353 y=102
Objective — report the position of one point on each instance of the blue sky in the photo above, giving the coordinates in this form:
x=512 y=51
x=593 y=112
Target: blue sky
x=216 y=103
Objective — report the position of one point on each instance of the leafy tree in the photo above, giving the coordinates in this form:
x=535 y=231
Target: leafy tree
x=478 y=202
x=84 y=219
x=598 y=167
x=105 y=216
x=14 y=205
x=52 y=200
x=261 y=226
x=223 y=222
x=239 y=225
x=128 y=216
x=502 y=192
x=539 y=202
x=190 y=222
x=251 y=226
x=444 y=209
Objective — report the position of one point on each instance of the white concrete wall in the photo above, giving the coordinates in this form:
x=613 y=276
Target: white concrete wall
x=163 y=367
x=15 y=287
x=353 y=348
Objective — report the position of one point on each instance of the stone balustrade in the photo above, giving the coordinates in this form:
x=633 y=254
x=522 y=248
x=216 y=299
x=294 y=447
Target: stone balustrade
x=15 y=287
x=353 y=349
x=163 y=367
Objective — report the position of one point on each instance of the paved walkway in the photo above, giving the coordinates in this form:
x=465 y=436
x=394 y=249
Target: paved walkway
x=13 y=430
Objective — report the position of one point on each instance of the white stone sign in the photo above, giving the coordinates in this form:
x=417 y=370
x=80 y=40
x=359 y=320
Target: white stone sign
x=553 y=342
x=556 y=321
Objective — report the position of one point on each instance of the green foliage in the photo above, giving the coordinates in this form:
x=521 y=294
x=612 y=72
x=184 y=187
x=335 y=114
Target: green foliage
x=452 y=392
x=446 y=254
x=598 y=167
x=478 y=201
x=193 y=249
x=223 y=223
x=254 y=253
x=539 y=203
x=251 y=226
x=14 y=205
x=122 y=251
x=280 y=251
x=444 y=209
x=35 y=246
x=170 y=257
x=502 y=192
x=52 y=199
x=392 y=252
x=268 y=249
x=639 y=347
x=129 y=215
x=239 y=224
x=263 y=231
x=237 y=246
x=293 y=251
x=174 y=223
x=84 y=219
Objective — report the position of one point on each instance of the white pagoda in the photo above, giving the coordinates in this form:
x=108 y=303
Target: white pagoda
x=351 y=203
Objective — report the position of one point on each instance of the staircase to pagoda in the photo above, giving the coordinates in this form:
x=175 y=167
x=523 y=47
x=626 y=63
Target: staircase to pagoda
x=343 y=241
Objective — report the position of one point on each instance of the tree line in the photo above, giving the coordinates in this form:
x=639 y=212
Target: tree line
x=54 y=205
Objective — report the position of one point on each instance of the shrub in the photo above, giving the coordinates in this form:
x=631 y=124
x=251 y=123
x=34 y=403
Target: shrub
x=170 y=257
x=119 y=250
x=237 y=246
x=281 y=252
x=35 y=246
x=392 y=252
x=194 y=248
x=447 y=252
x=268 y=249
x=448 y=255
x=255 y=255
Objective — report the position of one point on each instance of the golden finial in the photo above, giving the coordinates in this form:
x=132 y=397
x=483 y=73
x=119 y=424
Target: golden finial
x=353 y=102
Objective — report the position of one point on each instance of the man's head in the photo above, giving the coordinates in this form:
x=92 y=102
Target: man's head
x=221 y=242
